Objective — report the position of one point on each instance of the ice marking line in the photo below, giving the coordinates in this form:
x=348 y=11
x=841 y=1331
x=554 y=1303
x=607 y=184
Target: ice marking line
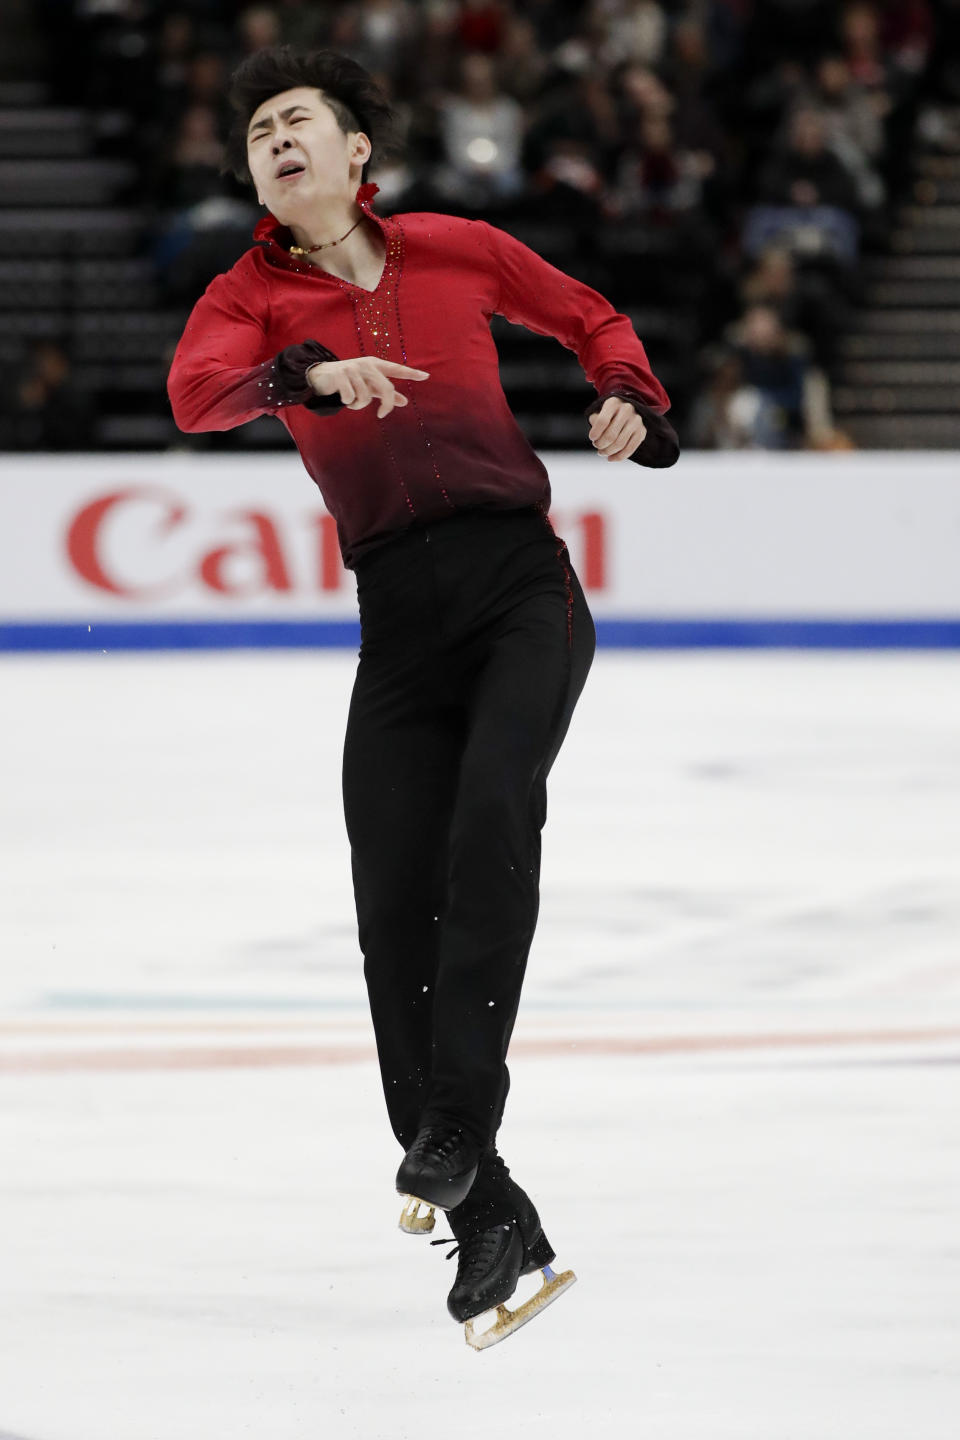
x=127 y=1000
x=210 y=1058
x=176 y=1027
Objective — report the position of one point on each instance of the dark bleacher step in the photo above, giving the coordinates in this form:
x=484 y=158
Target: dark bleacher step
x=925 y=240
x=129 y=378
x=65 y=182
x=136 y=335
x=543 y=431
x=22 y=94
x=69 y=232
x=929 y=399
x=68 y=284
x=908 y=432
x=912 y=267
x=94 y=336
x=925 y=345
x=135 y=432
x=937 y=167
x=158 y=431
x=916 y=293
x=17 y=330
x=51 y=132
x=899 y=372
x=525 y=381
x=931 y=217
x=629 y=238
x=944 y=190
x=915 y=322
x=548 y=375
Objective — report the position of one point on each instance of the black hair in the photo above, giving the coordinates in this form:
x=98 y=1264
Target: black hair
x=350 y=91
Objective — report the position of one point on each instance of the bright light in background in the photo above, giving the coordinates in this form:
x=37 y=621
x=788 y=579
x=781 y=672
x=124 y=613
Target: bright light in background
x=482 y=150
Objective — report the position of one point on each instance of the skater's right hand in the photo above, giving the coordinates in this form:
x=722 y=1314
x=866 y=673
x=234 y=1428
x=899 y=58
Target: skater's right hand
x=362 y=379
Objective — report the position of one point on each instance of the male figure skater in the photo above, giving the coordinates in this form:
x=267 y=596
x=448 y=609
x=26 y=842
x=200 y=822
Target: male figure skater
x=369 y=338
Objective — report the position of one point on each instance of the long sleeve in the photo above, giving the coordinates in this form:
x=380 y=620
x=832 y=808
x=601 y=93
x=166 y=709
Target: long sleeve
x=219 y=378
x=536 y=294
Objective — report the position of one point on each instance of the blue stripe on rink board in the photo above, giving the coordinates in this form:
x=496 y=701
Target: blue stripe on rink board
x=97 y=637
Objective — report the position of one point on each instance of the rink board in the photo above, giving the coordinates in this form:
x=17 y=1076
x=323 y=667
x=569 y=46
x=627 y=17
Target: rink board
x=187 y=551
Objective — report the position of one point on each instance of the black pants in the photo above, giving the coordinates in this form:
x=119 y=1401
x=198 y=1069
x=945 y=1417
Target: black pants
x=476 y=644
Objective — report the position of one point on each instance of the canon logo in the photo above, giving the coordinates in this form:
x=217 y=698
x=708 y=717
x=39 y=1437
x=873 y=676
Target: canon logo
x=255 y=552
x=147 y=543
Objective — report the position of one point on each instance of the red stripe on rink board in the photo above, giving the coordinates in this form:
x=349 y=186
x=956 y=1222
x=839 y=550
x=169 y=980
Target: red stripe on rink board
x=209 y=1058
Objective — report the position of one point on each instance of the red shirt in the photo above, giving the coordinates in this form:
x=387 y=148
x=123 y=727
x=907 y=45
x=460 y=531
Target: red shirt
x=456 y=444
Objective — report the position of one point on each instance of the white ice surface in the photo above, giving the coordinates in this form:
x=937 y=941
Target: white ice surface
x=734 y=1097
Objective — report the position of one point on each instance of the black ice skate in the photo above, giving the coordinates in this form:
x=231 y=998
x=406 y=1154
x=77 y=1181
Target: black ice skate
x=498 y=1238
x=437 y=1171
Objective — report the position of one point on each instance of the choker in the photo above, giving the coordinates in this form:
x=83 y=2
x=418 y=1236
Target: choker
x=299 y=250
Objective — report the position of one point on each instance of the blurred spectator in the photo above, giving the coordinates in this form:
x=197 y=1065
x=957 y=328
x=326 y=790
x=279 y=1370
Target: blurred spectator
x=192 y=173
x=387 y=32
x=343 y=33
x=437 y=48
x=578 y=117
x=257 y=27
x=769 y=97
x=774 y=364
x=655 y=177
x=860 y=30
x=174 y=46
x=785 y=405
x=206 y=78
x=193 y=245
x=728 y=415
x=853 y=116
x=939 y=127
x=303 y=24
x=906 y=32
x=726 y=27
x=482 y=132
x=687 y=75
x=853 y=124
x=481 y=25
x=731 y=414
x=805 y=299
x=636 y=29
x=523 y=66
x=641 y=95
x=553 y=22
x=811 y=199
x=400 y=181
x=806 y=172
x=41 y=409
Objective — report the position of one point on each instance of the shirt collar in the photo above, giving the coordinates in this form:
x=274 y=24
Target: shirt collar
x=271 y=231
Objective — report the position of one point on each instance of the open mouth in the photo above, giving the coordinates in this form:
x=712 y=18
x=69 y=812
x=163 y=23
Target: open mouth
x=290 y=172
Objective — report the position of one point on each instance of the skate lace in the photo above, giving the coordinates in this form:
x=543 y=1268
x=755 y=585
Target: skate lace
x=445 y=1143
x=474 y=1250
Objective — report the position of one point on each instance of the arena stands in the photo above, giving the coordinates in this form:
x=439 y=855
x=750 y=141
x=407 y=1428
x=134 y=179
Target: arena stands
x=770 y=191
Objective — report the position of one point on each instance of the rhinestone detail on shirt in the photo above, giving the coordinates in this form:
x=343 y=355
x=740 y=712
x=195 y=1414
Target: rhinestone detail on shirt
x=370 y=309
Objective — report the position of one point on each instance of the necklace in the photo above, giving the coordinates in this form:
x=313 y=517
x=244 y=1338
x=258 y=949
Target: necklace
x=299 y=250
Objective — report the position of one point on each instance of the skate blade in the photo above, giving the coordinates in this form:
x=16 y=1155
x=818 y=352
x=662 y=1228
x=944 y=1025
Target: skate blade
x=509 y=1320
x=412 y=1222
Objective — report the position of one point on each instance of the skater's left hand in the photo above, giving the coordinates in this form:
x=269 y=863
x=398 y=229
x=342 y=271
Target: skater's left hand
x=616 y=429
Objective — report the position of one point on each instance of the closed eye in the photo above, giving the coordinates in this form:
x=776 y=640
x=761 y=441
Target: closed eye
x=260 y=135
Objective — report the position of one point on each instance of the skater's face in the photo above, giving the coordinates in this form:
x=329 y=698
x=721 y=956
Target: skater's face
x=298 y=129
